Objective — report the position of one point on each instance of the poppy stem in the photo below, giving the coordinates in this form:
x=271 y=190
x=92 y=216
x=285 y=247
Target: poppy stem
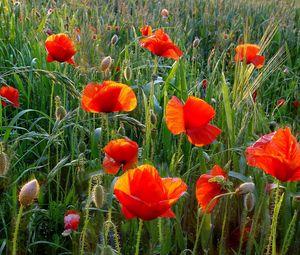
x=14 y=249
x=137 y=246
x=199 y=227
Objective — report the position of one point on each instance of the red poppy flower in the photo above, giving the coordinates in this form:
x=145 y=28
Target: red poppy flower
x=60 y=48
x=146 y=30
x=277 y=154
x=280 y=102
x=296 y=104
x=206 y=190
x=10 y=94
x=120 y=152
x=71 y=220
x=250 y=53
x=161 y=45
x=192 y=118
x=144 y=194
x=109 y=96
x=204 y=84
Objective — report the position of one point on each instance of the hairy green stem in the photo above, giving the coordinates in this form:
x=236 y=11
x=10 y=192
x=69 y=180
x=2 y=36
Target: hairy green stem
x=15 y=237
x=137 y=245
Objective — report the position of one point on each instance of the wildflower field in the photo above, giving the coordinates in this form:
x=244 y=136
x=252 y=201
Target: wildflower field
x=150 y=127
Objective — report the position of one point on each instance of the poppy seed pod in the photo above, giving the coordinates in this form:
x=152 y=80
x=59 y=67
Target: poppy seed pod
x=106 y=63
x=114 y=39
x=249 y=202
x=29 y=192
x=196 y=42
x=4 y=163
x=98 y=196
x=245 y=188
x=127 y=73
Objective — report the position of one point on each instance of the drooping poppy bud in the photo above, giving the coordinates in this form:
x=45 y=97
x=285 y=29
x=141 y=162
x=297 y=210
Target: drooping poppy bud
x=114 y=39
x=4 y=163
x=245 y=188
x=29 y=192
x=249 y=201
x=106 y=64
x=196 y=42
x=98 y=196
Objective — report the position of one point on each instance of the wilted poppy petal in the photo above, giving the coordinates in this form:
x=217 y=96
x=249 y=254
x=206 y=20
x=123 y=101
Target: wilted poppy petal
x=175 y=116
x=204 y=135
x=197 y=113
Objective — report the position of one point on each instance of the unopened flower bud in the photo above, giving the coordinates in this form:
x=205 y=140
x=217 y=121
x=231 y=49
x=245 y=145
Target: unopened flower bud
x=249 y=201
x=60 y=113
x=29 y=192
x=245 y=188
x=164 y=13
x=106 y=63
x=153 y=117
x=4 y=163
x=98 y=196
x=114 y=39
x=196 y=42
x=127 y=73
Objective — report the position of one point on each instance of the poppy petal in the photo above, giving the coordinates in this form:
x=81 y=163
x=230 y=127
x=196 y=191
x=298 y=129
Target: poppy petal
x=175 y=188
x=197 y=113
x=204 y=135
x=110 y=165
x=175 y=116
x=258 y=61
x=168 y=214
x=50 y=58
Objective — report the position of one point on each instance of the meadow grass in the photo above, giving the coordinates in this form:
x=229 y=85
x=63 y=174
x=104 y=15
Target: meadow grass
x=65 y=155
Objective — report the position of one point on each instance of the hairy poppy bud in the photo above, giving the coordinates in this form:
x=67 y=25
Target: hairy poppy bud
x=164 y=13
x=60 y=113
x=98 y=196
x=245 y=188
x=127 y=73
x=196 y=42
x=4 y=163
x=106 y=63
x=114 y=39
x=249 y=201
x=29 y=192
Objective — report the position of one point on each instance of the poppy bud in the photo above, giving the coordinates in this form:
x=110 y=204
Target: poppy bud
x=225 y=36
x=249 y=201
x=29 y=192
x=48 y=31
x=98 y=196
x=204 y=84
x=164 y=13
x=106 y=63
x=196 y=42
x=4 y=163
x=245 y=188
x=107 y=250
x=60 y=113
x=127 y=73
x=153 y=117
x=280 y=102
x=114 y=39
x=81 y=147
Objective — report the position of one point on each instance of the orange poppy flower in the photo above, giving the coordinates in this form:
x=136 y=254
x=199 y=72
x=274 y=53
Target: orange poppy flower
x=60 y=48
x=109 y=96
x=206 y=190
x=277 y=154
x=192 y=118
x=10 y=94
x=250 y=53
x=144 y=194
x=146 y=30
x=161 y=45
x=120 y=152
